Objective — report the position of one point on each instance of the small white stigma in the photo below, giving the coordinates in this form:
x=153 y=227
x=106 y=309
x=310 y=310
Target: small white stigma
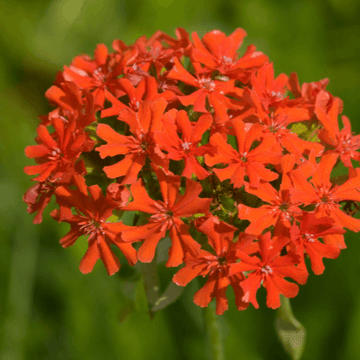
x=55 y=152
x=276 y=94
x=227 y=60
x=207 y=84
x=64 y=119
x=309 y=237
x=186 y=145
x=267 y=269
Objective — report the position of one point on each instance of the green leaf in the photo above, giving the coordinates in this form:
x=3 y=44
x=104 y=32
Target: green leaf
x=113 y=219
x=299 y=129
x=128 y=217
x=171 y=294
x=306 y=130
x=91 y=130
x=291 y=333
x=232 y=141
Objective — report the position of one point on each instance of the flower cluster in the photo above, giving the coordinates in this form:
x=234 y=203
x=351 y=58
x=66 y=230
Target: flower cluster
x=192 y=141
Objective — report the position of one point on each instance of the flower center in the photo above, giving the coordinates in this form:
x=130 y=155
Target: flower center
x=309 y=237
x=91 y=227
x=284 y=207
x=276 y=94
x=99 y=75
x=267 y=269
x=186 y=146
x=227 y=60
x=243 y=157
x=55 y=154
x=348 y=143
x=207 y=84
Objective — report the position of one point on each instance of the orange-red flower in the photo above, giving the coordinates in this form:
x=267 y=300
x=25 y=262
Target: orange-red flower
x=207 y=88
x=185 y=148
x=216 y=266
x=56 y=153
x=219 y=52
x=98 y=74
x=93 y=209
x=147 y=89
x=306 y=240
x=326 y=196
x=269 y=270
x=343 y=142
x=245 y=161
x=166 y=215
x=135 y=148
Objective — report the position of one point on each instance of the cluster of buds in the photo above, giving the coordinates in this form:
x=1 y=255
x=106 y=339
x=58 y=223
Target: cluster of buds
x=188 y=139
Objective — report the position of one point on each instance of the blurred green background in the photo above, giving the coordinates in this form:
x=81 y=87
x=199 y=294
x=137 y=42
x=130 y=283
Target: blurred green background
x=48 y=309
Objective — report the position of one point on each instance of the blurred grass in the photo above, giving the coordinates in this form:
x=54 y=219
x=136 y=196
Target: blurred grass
x=48 y=309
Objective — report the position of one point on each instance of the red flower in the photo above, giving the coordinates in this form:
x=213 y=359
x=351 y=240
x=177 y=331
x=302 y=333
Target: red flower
x=276 y=125
x=326 y=196
x=342 y=141
x=308 y=91
x=95 y=209
x=147 y=89
x=266 y=91
x=221 y=118
x=281 y=209
x=311 y=95
x=270 y=270
x=99 y=74
x=207 y=88
x=38 y=196
x=182 y=43
x=244 y=161
x=166 y=215
x=185 y=147
x=152 y=53
x=73 y=103
x=219 y=52
x=306 y=237
x=56 y=153
x=136 y=148
x=239 y=126
x=216 y=267
x=119 y=194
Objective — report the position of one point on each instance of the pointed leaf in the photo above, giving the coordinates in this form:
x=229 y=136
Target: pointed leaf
x=171 y=294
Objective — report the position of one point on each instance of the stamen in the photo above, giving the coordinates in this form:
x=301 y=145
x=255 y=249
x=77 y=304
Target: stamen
x=186 y=145
x=267 y=269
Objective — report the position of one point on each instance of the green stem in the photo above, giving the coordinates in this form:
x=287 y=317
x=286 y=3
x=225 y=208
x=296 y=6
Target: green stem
x=291 y=332
x=285 y=310
x=213 y=333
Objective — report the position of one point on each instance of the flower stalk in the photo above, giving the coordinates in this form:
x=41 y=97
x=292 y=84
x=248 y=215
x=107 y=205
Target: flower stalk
x=213 y=333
